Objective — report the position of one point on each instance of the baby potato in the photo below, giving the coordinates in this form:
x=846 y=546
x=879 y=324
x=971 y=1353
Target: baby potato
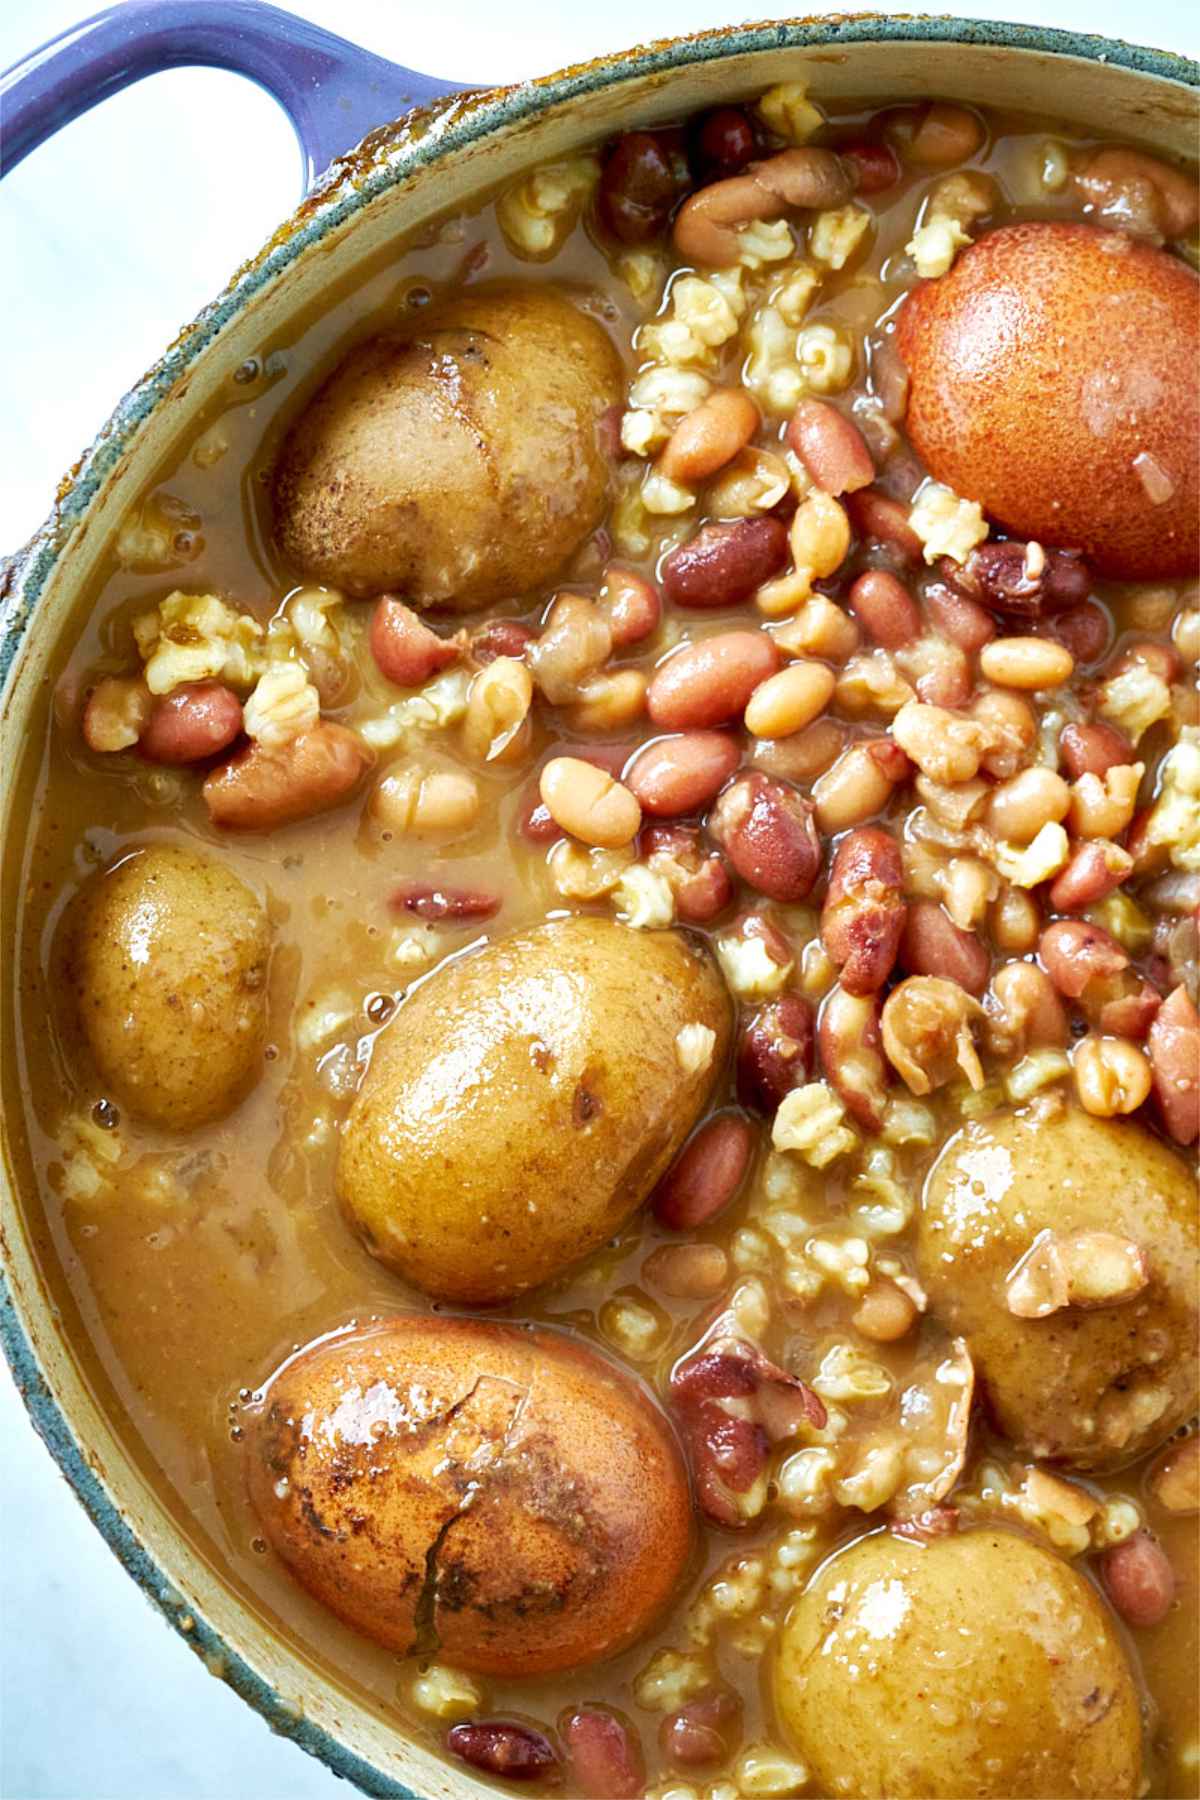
x=525 y=1100
x=976 y=1664
x=496 y=1494
x=459 y=464
x=167 y=960
x=1089 y=1383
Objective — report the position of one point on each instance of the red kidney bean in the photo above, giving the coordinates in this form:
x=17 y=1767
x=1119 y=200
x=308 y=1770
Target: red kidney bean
x=501 y=637
x=765 y=826
x=863 y=915
x=406 y=651
x=877 y=166
x=1161 y=659
x=1022 y=581
x=199 y=719
x=934 y=945
x=724 y=564
x=709 y=682
x=1174 y=1046
x=1074 y=953
x=1093 y=749
x=723 y=142
x=963 y=621
x=1083 y=630
x=435 y=903
x=884 y=608
x=640 y=182
x=879 y=518
x=534 y=820
x=696 y=873
x=1139 y=1580
x=258 y=789
x=850 y=1041
x=831 y=447
x=606 y=1759
x=682 y=774
x=501 y=1748
x=775 y=1052
x=1128 y=1009
x=706 y=1175
x=632 y=604
x=706 y=1730
x=1095 y=870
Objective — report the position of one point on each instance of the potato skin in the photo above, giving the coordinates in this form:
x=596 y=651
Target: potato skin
x=978 y=1663
x=459 y=465
x=1080 y=1386
x=523 y=1103
x=167 y=959
x=497 y=1493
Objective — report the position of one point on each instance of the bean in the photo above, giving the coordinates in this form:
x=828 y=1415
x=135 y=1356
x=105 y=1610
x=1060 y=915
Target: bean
x=945 y=135
x=495 y=725
x=1111 y=1076
x=831 y=447
x=934 y=945
x=927 y=1033
x=1083 y=631
x=631 y=605
x=1174 y=1045
x=882 y=520
x=766 y=828
x=1093 y=749
x=1139 y=1580
x=199 y=719
x=1021 y=580
x=687 y=1271
x=513 y=1752
x=706 y=226
x=435 y=903
x=885 y=1313
x=258 y=788
x=804 y=755
x=704 y=1731
x=1026 y=663
x=1073 y=953
x=940 y=671
x=676 y=775
x=863 y=915
x=884 y=608
x=605 y=1756
x=709 y=437
x=775 y=1052
x=877 y=166
x=859 y=784
x=1010 y=731
x=1096 y=869
x=723 y=142
x=426 y=803
x=639 y=184
x=1161 y=660
x=850 y=1041
x=723 y=564
x=944 y=745
x=1020 y=806
x=575 y=640
x=706 y=1175
x=115 y=714
x=610 y=700
x=963 y=621
x=1015 y=921
x=709 y=682
x=1175 y=1477
x=1113 y=179
x=788 y=701
x=819 y=628
x=500 y=637
x=405 y=650
x=1024 y=1011
x=819 y=537
x=587 y=803
x=696 y=873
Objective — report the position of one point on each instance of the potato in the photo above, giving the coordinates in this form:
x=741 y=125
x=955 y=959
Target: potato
x=1094 y=1385
x=498 y=1495
x=167 y=959
x=460 y=464
x=525 y=1100
x=976 y=1664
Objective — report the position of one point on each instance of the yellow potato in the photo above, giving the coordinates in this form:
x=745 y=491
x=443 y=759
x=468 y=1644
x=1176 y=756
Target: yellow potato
x=498 y=1495
x=167 y=959
x=459 y=464
x=977 y=1664
x=525 y=1100
x=1093 y=1386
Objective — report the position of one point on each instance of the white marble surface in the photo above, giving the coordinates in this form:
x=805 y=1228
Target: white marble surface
x=112 y=236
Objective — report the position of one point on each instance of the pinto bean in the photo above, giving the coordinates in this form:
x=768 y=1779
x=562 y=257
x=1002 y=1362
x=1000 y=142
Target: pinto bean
x=709 y=682
x=643 y=177
x=682 y=774
x=498 y=1747
x=1093 y=749
x=1174 y=1046
x=859 y=784
x=405 y=650
x=934 y=945
x=884 y=608
x=706 y=225
x=723 y=564
x=1096 y=869
x=258 y=789
x=1139 y=1580
x=605 y=1755
x=706 y=1175
x=631 y=606
x=710 y=436
x=863 y=915
x=704 y=1731
x=850 y=1041
x=586 y=802
x=882 y=520
x=831 y=447
x=696 y=874
x=1074 y=953
x=963 y=621
x=775 y=1052
x=803 y=755
x=766 y=828
x=194 y=721
x=687 y=1271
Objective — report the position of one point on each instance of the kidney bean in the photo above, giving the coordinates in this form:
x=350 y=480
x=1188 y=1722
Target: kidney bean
x=831 y=447
x=877 y=165
x=775 y=1052
x=850 y=1041
x=884 y=608
x=497 y=1746
x=934 y=945
x=882 y=520
x=406 y=651
x=1097 y=868
x=257 y=788
x=697 y=874
x=435 y=903
x=641 y=180
x=766 y=828
x=1139 y=1580
x=1019 y=580
x=706 y=1175
x=963 y=621
x=863 y=914
x=709 y=682
x=1074 y=953
x=723 y=142
x=1127 y=1009
x=1093 y=749
x=706 y=1730
x=199 y=719
x=723 y=564
x=631 y=604
x=1174 y=1045
x=501 y=637
x=1085 y=631
x=682 y=774
x=605 y=1756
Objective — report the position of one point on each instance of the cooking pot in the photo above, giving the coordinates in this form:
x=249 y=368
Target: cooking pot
x=429 y=146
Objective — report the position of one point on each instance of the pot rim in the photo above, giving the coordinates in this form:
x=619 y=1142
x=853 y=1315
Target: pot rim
x=385 y=157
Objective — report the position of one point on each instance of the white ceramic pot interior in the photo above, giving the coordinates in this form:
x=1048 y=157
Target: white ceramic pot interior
x=1158 y=113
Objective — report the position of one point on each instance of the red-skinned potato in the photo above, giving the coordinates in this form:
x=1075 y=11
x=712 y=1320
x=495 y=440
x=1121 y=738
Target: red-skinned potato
x=496 y=1494
x=1051 y=380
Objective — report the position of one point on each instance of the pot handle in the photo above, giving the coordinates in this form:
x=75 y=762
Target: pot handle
x=332 y=91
